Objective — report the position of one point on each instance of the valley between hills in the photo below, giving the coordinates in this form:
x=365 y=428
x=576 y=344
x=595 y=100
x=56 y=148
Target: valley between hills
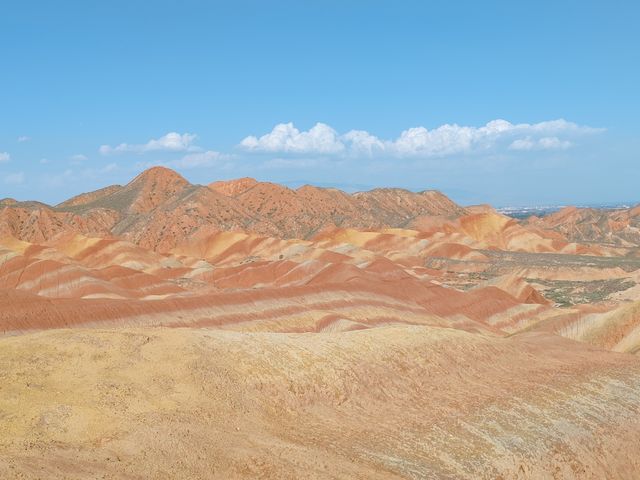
x=243 y=329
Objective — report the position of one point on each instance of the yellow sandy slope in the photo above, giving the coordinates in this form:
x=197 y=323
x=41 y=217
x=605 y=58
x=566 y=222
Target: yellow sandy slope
x=390 y=402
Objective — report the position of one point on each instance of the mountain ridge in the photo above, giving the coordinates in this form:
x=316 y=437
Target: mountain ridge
x=159 y=199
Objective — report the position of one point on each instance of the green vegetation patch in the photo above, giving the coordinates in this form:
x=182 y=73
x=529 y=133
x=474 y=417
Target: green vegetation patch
x=566 y=293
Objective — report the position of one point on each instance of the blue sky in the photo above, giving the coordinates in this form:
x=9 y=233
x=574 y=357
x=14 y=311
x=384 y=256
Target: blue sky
x=510 y=103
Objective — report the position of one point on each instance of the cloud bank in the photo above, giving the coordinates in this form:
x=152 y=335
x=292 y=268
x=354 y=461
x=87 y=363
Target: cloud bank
x=444 y=140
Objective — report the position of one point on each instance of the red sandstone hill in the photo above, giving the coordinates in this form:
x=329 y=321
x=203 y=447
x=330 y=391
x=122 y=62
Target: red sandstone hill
x=308 y=209
x=620 y=227
x=159 y=208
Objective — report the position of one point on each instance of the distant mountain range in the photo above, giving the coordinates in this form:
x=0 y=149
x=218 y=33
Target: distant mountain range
x=159 y=208
x=542 y=210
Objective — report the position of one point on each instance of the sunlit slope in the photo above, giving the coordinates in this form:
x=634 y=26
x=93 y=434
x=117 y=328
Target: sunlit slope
x=393 y=402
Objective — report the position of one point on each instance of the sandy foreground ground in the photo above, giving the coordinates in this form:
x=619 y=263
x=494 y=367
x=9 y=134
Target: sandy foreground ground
x=391 y=402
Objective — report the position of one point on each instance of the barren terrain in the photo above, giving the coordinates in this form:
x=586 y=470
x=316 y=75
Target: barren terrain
x=247 y=330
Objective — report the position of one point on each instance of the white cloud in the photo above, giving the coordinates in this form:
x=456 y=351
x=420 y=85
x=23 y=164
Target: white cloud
x=363 y=142
x=78 y=158
x=560 y=125
x=551 y=143
x=443 y=140
x=23 y=138
x=44 y=161
x=285 y=137
x=172 y=141
x=4 y=157
x=522 y=144
x=14 y=178
x=419 y=141
x=544 y=143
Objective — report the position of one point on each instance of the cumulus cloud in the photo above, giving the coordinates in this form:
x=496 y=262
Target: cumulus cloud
x=14 y=178
x=363 y=142
x=285 y=137
x=172 y=142
x=4 y=157
x=23 y=138
x=522 y=144
x=544 y=143
x=554 y=143
x=419 y=141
